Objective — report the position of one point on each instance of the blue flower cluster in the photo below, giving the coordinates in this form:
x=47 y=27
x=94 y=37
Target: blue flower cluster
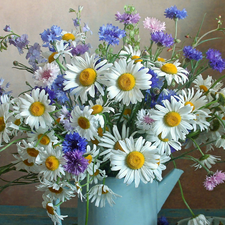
x=163 y=39
x=19 y=42
x=192 y=53
x=111 y=34
x=215 y=60
x=174 y=13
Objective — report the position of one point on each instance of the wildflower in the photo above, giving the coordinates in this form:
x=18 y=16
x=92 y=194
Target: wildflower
x=215 y=60
x=4 y=88
x=174 y=13
x=213 y=180
x=192 y=53
x=126 y=18
x=200 y=219
x=111 y=34
x=207 y=160
x=162 y=39
x=20 y=42
x=76 y=22
x=7 y=28
x=162 y=221
x=86 y=28
x=153 y=25
x=80 y=49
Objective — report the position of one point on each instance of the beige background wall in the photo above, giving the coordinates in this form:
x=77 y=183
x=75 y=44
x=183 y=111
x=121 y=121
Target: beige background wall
x=33 y=16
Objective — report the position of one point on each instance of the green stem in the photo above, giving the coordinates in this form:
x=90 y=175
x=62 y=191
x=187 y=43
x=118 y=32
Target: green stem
x=20 y=139
x=60 y=65
x=175 y=37
x=87 y=206
x=197 y=146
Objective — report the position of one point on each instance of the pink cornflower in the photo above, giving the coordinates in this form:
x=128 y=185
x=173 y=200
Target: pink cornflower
x=213 y=180
x=153 y=24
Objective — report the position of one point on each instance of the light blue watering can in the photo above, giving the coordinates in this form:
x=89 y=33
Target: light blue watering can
x=137 y=206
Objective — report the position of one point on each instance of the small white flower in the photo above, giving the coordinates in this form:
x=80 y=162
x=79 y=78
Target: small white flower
x=61 y=49
x=100 y=193
x=198 y=220
x=207 y=160
x=131 y=53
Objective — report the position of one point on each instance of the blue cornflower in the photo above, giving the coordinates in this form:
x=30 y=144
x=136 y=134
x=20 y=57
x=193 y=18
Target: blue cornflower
x=174 y=13
x=74 y=141
x=156 y=82
x=163 y=39
x=80 y=49
x=75 y=162
x=50 y=92
x=192 y=53
x=215 y=60
x=19 y=42
x=162 y=221
x=111 y=34
x=50 y=35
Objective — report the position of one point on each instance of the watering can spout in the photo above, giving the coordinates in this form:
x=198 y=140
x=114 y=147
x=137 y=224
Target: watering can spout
x=166 y=186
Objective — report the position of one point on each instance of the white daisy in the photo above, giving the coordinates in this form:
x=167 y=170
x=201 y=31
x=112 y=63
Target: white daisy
x=99 y=175
x=46 y=75
x=110 y=141
x=73 y=37
x=220 y=142
x=5 y=123
x=163 y=144
x=172 y=71
x=198 y=220
x=52 y=210
x=206 y=160
x=136 y=161
x=36 y=108
x=84 y=122
x=144 y=121
x=100 y=193
x=172 y=120
x=61 y=49
x=84 y=75
x=51 y=163
x=126 y=81
x=130 y=54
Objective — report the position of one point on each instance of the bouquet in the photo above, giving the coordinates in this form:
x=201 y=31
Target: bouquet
x=91 y=115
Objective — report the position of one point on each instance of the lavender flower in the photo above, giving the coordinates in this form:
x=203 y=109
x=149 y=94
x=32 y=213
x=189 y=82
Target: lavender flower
x=76 y=22
x=7 y=28
x=126 y=18
x=213 y=180
x=215 y=60
x=19 y=42
x=74 y=141
x=3 y=89
x=162 y=39
x=86 y=28
x=75 y=162
x=80 y=49
x=111 y=34
x=174 y=13
x=192 y=53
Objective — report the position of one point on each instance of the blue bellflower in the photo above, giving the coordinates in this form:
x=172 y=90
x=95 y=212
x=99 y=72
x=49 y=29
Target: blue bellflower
x=111 y=34
x=174 y=13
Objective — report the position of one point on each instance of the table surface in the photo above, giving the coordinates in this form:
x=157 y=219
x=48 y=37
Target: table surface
x=17 y=215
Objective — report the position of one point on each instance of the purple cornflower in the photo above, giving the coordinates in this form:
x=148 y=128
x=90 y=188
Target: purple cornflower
x=111 y=34
x=80 y=49
x=50 y=35
x=215 y=60
x=126 y=18
x=162 y=221
x=174 y=13
x=19 y=42
x=76 y=22
x=192 y=53
x=7 y=28
x=163 y=39
x=75 y=162
x=74 y=141
x=213 y=180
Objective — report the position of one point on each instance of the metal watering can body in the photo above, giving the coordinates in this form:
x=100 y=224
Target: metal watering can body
x=136 y=206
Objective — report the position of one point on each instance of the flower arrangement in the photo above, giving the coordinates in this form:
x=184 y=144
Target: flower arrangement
x=89 y=116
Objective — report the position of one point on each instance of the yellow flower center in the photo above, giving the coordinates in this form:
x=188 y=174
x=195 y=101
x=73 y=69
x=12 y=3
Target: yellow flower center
x=136 y=58
x=191 y=104
x=32 y=152
x=172 y=119
x=96 y=173
x=45 y=140
x=37 y=109
x=169 y=68
x=87 y=77
x=89 y=158
x=104 y=192
x=126 y=82
x=2 y=124
x=95 y=141
x=50 y=209
x=83 y=122
x=161 y=59
x=51 y=57
x=55 y=191
x=27 y=163
x=97 y=109
x=135 y=160
x=17 y=122
x=162 y=139
x=68 y=36
x=117 y=146
x=52 y=163
x=203 y=87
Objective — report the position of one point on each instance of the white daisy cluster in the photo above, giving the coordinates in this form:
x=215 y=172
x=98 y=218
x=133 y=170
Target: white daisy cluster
x=125 y=115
